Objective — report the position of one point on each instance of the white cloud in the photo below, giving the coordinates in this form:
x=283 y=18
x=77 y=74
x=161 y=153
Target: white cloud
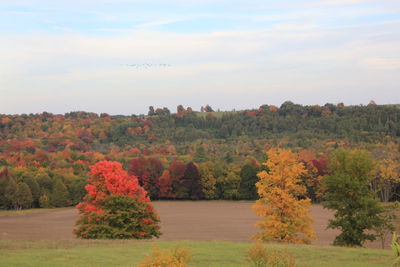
x=381 y=63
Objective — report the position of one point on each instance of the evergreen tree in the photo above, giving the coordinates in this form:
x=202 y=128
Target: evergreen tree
x=35 y=189
x=77 y=190
x=192 y=181
x=10 y=194
x=4 y=181
x=60 y=195
x=248 y=180
x=23 y=196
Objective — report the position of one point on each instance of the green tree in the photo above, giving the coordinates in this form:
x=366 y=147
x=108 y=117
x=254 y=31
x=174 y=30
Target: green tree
x=349 y=194
x=35 y=189
x=10 y=194
x=200 y=155
x=23 y=196
x=248 y=180
x=44 y=201
x=77 y=190
x=60 y=195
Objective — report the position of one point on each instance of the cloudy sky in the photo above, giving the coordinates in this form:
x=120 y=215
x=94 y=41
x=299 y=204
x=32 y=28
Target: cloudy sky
x=120 y=56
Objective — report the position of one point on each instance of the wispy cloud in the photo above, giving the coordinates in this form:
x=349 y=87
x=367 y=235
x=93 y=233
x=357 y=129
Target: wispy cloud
x=324 y=51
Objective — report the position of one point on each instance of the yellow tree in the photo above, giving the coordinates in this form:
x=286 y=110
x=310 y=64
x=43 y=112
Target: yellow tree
x=284 y=214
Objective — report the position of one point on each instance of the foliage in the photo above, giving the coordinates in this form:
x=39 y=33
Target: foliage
x=349 y=194
x=60 y=196
x=388 y=216
x=191 y=179
x=177 y=256
x=208 y=180
x=116 y=206
x=44 y=201
x=42 y=149
x=23 y=197
x=396 y=249
x=248 y=179
x=260 y=256
x=284 y=215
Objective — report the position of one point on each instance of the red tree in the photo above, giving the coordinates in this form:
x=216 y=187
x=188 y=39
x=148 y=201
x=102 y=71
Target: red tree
x=110 y=189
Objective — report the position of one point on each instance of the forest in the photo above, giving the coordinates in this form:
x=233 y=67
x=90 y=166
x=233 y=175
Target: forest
x=45 y=158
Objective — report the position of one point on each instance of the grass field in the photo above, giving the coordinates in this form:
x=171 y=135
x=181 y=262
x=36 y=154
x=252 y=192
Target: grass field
x=129 y=253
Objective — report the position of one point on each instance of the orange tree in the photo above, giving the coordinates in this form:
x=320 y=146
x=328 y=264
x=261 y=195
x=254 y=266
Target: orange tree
x=116 y=206
x=281 y=204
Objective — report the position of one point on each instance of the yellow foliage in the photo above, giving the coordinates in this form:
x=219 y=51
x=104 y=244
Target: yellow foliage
x=284 y=215
x=177 y=256
x=259 y=256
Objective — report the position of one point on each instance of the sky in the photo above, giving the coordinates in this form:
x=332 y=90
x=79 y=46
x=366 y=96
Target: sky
x=122 y=56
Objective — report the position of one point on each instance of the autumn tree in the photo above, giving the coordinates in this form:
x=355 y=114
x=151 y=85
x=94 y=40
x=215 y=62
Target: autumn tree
x=177 y=172
x=387 y=171
x=116 y=206
x=349 y=194
x=283 y=210
x=165 y=185
x=208 y=180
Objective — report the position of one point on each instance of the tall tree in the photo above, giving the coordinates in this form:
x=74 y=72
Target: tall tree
x=10 y=194
x=349 y=194
x=192 y=181
x=23 y=196
x=248 y=180
x=208 y=180
x=284 y=215
x=177 y=172
x=60 y=195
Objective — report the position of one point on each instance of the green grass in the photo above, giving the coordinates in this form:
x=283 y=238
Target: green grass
x=6 y=213
x=129 y=253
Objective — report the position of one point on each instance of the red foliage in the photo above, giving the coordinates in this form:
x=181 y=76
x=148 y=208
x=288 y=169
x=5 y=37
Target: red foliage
x=321 y=165
x=165 y=185
x=108 y=178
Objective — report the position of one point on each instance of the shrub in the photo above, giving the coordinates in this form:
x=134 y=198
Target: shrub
x=177 y=256
x=259 y=256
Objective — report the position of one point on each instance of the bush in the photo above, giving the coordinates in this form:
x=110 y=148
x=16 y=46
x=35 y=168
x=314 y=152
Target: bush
x=177 y=256
x=259 y=256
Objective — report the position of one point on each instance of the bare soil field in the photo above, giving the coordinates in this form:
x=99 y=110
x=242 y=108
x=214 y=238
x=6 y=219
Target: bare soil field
x=180 y=220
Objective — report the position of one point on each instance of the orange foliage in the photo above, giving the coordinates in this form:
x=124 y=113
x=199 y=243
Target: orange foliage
x=285 y=217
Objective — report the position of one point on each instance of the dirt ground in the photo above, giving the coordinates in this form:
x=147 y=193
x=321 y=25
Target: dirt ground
x=180 y=220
